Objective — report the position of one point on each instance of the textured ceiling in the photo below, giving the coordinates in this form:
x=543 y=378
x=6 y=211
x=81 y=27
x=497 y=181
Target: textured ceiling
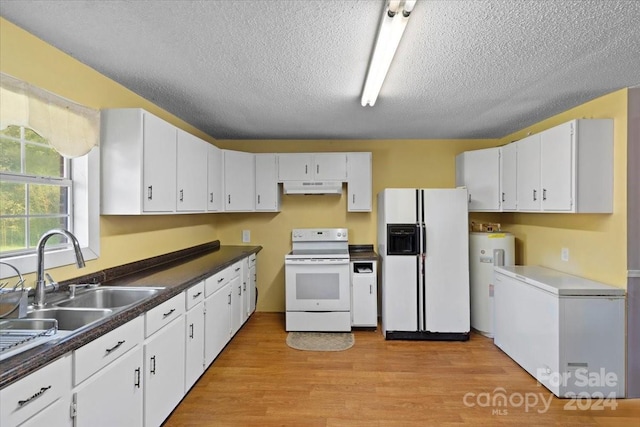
x=284 y=69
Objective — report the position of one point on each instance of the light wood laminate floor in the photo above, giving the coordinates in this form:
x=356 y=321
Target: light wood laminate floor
x=259 y=381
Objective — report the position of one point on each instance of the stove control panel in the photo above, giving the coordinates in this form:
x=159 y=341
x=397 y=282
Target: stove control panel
x=320 y=235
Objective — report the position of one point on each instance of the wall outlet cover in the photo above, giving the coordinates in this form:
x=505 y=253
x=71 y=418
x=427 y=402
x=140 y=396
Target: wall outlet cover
x=564 y=254
x=246 y=236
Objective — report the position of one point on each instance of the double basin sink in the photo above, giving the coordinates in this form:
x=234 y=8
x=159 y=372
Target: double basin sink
x=92 y=305
x=65 y=317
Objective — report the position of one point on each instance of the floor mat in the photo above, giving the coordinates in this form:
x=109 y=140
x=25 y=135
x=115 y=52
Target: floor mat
x=320 y=341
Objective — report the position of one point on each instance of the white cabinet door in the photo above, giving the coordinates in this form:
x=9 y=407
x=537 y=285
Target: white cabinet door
x=294 y=167
x=330 y=167
x=159 y=165
x=252 y=293
x=359 y=184
x=481 y=174
x=312 y=166
x=237 y=317
x=267 y=191
x=191 y=187
x=508 y=176
x=137 y=162
x=364 y=295
x=55 y=415
x=215 y=179
x=246 y=283
x=239 y=181
x=556 y=167
x=164 y=357
x=121 y=385
x=34 y=393
x=217 y=323
x=528 y=173
x=194 y=363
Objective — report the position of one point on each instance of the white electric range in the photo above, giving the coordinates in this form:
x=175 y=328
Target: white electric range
x=318 y=296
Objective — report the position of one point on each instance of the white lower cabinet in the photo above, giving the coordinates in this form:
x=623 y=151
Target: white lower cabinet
x=194 y=335
x=33 y=395
x=164 y=358
x=217 y=322
x=364 y=294
x=113 y=396
x=237 y=316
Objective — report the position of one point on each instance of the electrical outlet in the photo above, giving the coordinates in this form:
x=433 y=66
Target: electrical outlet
x=564 y=254
x=246 y=236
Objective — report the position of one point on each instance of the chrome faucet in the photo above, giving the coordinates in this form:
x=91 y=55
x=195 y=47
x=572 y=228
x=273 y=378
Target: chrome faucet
x=40 y=281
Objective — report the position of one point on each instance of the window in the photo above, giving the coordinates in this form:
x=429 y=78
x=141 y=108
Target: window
x=35 y=191
x=49 y=176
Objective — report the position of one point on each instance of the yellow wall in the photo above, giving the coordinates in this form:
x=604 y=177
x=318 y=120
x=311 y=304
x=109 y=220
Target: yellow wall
x=597 y=243
x=425 y=163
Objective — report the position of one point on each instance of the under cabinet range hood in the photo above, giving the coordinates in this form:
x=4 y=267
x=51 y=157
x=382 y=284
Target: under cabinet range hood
x=312 y=187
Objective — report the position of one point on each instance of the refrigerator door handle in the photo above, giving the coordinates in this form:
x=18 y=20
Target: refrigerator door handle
x=424 y=240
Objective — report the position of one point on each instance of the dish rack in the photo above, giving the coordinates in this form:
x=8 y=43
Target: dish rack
x=22 y=334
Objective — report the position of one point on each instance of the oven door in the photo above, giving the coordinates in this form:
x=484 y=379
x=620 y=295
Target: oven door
x=317 y=285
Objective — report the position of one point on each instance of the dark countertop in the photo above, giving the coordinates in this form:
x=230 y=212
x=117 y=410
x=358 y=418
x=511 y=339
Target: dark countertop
x=176 y=271
x=362 y=253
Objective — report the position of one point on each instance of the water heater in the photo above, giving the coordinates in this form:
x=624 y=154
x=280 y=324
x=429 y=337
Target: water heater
x=485 y=251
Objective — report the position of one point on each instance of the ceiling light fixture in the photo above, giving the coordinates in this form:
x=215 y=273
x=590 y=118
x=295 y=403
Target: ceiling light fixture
x=394 y=20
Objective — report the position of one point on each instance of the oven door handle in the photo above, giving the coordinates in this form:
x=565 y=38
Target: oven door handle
x=318 y=262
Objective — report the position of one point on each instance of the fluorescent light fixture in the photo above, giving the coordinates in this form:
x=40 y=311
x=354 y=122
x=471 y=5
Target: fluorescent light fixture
x=394 y=20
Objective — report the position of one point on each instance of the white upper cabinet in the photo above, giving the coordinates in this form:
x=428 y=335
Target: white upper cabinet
x=528 y=173
x=479 y=171
x=312 y=166
x=267 y=191
x=239 y=181
x=568 y=168
x=191 y=185
x=359 y=182
x=508 y=177
x=576 y=160
x=215 y=179
x=138 y=162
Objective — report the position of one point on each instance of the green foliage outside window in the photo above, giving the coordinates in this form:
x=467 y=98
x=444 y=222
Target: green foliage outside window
x=34 y=190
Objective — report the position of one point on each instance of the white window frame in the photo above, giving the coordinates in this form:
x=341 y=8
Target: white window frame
x=85 y=215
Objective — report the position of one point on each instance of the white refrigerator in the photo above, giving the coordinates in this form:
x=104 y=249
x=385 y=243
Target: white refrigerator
x=423 y=242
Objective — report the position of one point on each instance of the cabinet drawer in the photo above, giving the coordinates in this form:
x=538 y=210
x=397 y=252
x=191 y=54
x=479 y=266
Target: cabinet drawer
x=252 y=260
x=92 y=357
x=30 y=395
x=195 y=294
x=235 y=269
x=217 y=281
x=163 y=314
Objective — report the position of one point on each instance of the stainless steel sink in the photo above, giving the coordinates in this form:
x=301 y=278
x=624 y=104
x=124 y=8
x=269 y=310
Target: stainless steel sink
x=110 y=297
x=70 y=319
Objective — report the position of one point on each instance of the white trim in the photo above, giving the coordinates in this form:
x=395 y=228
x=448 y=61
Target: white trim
x=86 y=217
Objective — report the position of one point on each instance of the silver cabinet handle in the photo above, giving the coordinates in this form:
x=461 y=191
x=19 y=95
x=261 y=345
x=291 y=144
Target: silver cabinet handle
x=317 y=168
x=306 y=170
x=191 y=331
x=169 y=313
x=239 y=290
x=182 y=195
x=535 y=195
x=220 y=279
x=211 y=197
x=370 y=289
x=469 y=197
x=150 y=192
x=153 y=365
x=229 y=199
x=237 y=269
x=197 y=295
x=34 y=396
x=229 y=299
x=503 y=196
x=353 y=198
x=115 y=347
x=544 y=194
